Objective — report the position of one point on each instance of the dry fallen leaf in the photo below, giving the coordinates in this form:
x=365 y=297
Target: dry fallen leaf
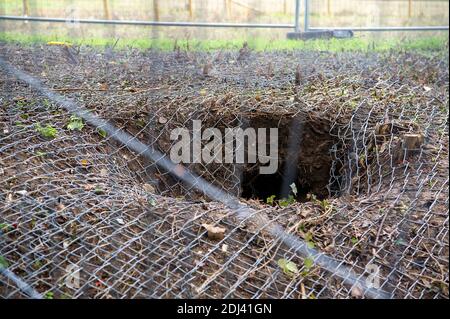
x=66 y=244
x=148 y=188
x=303 y=291
x=214 y=233
x=9 y=198
x=225 y=248
x=89 y=187
x=18 y=98
x=162 y=120
x=329 y=248
x=356 y=292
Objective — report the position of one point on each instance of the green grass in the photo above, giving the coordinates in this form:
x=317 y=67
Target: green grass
x=360 y=44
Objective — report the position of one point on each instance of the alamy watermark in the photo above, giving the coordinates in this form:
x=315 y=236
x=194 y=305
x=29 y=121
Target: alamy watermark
x=72 y=276
x=262 y=146
x=373 y=278
x=72 y=17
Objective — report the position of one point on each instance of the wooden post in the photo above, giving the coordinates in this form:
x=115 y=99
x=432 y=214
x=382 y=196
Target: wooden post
x=329 y=7
x=413 y=142
x=155 y=30
x=228 y=7
x=409 y=8
x=26 y=8
x=285 y=6
x=191 y=9
x=106 y=10
x=156 y=10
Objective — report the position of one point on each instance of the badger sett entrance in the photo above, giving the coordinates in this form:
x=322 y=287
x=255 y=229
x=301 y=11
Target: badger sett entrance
x=230 y=147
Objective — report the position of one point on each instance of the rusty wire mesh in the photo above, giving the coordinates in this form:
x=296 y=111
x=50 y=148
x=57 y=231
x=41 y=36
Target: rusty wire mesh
x=80 y=198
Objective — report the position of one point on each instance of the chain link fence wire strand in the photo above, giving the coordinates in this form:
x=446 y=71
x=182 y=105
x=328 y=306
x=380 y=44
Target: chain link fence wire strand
x=102 y=198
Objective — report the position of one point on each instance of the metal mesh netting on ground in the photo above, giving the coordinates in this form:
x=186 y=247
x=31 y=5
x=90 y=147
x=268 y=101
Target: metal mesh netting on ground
x=364 y=137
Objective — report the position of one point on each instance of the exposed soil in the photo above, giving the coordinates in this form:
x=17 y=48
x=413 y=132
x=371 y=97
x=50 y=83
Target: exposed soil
x=82 y=198
x=304 y=159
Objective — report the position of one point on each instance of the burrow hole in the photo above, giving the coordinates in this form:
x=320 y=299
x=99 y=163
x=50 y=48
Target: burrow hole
x=305 y=159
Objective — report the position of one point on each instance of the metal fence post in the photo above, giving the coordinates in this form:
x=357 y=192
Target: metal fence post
x=306 y=16
x=297 y=15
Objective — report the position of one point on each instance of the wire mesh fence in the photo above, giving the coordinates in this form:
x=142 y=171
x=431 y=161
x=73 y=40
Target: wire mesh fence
x=86 y=213
x=226 y=10
x=376 y=13
x=274 y=16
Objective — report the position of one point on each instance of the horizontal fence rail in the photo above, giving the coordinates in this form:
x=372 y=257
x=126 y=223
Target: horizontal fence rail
x=220 y=25
x=378 y=29
x=152 y=23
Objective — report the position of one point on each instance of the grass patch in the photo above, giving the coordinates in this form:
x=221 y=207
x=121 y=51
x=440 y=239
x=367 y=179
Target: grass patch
x=361 y=44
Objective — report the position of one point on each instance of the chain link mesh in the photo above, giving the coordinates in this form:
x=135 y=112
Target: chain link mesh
x=374 y=125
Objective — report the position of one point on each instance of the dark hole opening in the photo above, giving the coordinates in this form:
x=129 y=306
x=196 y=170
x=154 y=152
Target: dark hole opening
x=304 y=159
x=257 y=186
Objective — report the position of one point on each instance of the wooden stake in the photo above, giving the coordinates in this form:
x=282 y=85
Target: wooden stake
x=409 y=8
x=26 y=8
x=413 y=142
x=191 y=10
x=156 y=10
x=298 y=76
x=228 y=8
x=106 y=9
